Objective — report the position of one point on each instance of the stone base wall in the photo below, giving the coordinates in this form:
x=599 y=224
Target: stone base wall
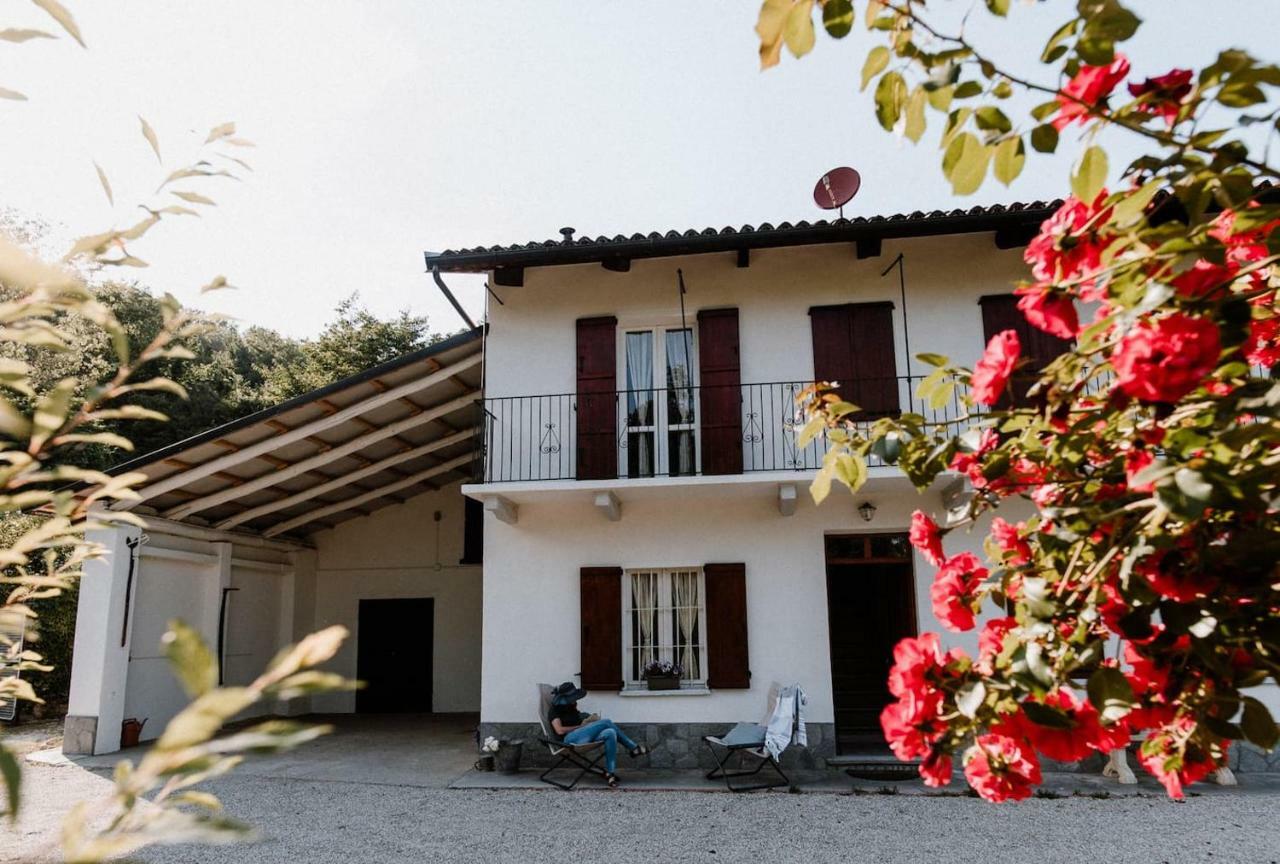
x=79 y=734
x=671 y=745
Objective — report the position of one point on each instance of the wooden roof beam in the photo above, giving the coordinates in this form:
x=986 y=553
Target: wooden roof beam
x=347 y=448
x=196 y=472
x=352 y=503
x=343 y=480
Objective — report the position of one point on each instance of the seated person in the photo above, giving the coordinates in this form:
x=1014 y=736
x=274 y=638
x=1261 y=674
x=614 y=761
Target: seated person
x=574 y=727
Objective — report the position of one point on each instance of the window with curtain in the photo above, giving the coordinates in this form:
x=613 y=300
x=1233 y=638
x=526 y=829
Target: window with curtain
x=658 y=376
x=665 y=619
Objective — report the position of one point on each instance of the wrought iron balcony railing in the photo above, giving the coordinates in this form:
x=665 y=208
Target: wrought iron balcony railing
x=671 y=432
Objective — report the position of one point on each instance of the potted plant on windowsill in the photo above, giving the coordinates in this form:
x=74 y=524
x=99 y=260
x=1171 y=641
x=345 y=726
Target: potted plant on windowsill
x=662 y=675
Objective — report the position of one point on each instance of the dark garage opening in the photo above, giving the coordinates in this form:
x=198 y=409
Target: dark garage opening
x=393 y=655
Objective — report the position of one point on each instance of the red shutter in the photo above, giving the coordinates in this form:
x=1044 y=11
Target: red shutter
x=597 y=398
x=601 y=604
x=854 y=345
x=727 y=657
x=999 y=313
x=720 y=393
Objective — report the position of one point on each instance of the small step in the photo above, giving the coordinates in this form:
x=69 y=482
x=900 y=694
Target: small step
x=874 y=766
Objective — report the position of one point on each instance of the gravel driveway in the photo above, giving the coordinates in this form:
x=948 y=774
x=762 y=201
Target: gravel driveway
x=318 y=821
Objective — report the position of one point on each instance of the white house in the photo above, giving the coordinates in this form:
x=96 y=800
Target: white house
x=605 y=476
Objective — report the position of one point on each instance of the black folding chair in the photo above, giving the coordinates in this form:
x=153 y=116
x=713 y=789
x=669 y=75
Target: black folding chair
x=747 y=741
x=585 y=757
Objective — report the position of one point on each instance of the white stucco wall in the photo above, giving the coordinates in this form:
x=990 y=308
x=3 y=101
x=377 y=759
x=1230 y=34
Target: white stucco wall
x=531 y=626
x=400 y=551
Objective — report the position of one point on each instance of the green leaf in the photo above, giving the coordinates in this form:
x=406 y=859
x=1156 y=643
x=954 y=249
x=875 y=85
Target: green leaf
x=1110 y=693
x=1192 y=484
x=877 y=61
x=965 y=163
x=1089 y=174
x=1010 y=156
x=1258 y=725
x=1063 y=33
x=58 y=13
x=811 y=430
x=200 y=720
x=990 y=117
x=18 y=34
x=915 y=125
x=891 y=97
x=1046 y=716
x=820 y=488
x=11 y=773
x=798 y=31
x=935 y=360
x=998 y=7
x=1130 y=208
x=967 y=90
x=837 y=17
x=150 y=135
x=192 y=661
x=970 y=697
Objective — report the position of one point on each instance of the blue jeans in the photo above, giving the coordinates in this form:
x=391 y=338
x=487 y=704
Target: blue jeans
x=606 y=731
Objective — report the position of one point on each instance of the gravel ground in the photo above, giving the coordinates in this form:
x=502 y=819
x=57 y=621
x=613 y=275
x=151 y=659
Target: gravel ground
x=319 y=822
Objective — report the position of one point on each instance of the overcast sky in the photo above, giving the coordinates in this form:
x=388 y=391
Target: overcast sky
x=388 y=128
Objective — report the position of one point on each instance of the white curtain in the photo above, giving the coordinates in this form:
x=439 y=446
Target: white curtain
x=644 y=598
x=679 y=378
x=640 y=401
x=684 y=593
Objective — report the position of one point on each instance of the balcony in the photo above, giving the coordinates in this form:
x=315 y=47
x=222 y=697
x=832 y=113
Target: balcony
x=675 y=432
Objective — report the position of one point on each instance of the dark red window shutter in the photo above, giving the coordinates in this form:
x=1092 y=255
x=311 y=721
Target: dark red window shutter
x=999 y=313
x=853 y=344
x=720 y=393
x=727 y=656
x=597 y=422
x=601 y=604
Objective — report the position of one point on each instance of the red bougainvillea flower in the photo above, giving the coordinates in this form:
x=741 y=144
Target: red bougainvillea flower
x=1009 y=538
x=970 y=462
x=911 y=727
x=1070 y=743
x=1000 y=769
x=991 y=374
x=1069 y=245
x=1179 y=577
x=1090 y=86
x=1164 y=359
x=1053 y=313
x=1262 y=348
x=1136 y=459
x=991 y=641
x=1174 y=758
x=936 y=768
x=1204 y=278
x=1162 y=95
x=954 y=591
x=926 y=537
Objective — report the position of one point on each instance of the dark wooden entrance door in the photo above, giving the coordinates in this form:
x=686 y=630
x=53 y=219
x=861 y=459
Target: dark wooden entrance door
x=870 y=606
x=393 y=655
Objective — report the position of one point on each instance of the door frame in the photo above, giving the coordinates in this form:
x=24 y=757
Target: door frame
x=912 y=617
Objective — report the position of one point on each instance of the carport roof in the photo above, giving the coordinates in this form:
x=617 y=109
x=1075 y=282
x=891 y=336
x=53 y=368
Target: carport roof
x=364 y=442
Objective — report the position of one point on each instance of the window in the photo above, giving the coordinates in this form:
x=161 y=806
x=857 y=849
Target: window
x=660 y=432
x=664 y=618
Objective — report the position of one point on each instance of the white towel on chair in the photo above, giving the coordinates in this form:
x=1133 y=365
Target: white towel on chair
x=786 y=725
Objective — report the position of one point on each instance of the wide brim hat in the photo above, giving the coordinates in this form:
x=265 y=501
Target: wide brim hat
x=566 y=693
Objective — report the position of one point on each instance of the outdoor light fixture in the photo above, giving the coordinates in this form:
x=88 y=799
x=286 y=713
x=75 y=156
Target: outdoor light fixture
x=867 y=511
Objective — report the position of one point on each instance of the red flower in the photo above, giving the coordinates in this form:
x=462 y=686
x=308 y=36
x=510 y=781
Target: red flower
x=911 y=728
x=1136 y=460
x=954 y=591
x=1262 y=348
x=999 y=769
x=914 y=659
x=1162 y=360
x=1009 y=538
x=1202 y=279
x=1177 y=576
x=1069 y=245
x=1090 y=86
x=1163 y=94
x=936 y=768
x=991 y=374
x=991 y=641
x=926 y=537
x=1072 y=743
x=1047 y=311
x=1174 y=758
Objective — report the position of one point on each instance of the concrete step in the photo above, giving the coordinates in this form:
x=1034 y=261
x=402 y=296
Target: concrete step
x=874 y=766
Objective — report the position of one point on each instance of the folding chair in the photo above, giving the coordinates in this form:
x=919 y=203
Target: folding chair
x=585 y=757
x=747 y=740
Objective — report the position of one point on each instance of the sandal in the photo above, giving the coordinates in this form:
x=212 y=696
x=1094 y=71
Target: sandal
x=638 y=751
x=611 y=780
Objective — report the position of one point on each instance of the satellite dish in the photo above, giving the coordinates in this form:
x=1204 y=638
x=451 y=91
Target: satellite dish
x=836 y=188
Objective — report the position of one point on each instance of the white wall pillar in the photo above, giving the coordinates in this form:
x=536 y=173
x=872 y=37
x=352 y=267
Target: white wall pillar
x=298 y=613
x=98 y=677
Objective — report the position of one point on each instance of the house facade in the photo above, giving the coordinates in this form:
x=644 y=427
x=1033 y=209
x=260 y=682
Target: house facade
x=603 y=477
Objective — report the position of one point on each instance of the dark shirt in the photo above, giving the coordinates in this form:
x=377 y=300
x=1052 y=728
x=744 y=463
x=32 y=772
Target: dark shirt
x=568 y=715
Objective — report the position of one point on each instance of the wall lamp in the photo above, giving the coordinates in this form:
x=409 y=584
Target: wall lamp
x=867 y=511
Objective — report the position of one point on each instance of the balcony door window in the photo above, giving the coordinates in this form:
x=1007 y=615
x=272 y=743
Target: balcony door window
x=660 y=424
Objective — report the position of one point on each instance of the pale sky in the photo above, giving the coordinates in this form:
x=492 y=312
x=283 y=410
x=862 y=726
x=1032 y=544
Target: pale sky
x=388 y=128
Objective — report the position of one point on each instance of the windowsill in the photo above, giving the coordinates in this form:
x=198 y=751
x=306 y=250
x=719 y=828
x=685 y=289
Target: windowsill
x=683 y=691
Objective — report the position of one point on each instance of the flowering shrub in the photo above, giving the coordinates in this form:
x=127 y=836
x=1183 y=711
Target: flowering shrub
x=1151 y=449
